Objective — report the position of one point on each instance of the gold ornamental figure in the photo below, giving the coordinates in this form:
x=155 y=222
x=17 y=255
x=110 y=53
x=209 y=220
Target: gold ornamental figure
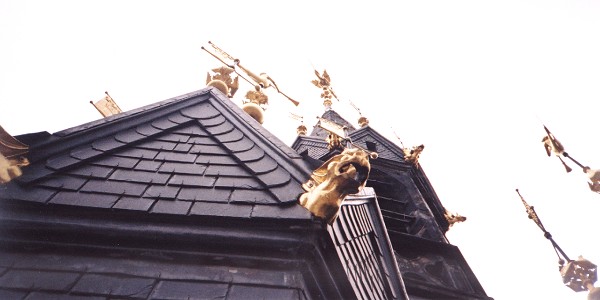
x=256 y=100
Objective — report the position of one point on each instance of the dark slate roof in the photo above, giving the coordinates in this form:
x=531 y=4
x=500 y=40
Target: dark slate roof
x=331 y=115
x=68 y=274
x=363 y=247
x=196 y=154
x=317 y=146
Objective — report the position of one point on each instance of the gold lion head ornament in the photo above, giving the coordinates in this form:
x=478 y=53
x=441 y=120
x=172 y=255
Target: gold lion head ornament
x=340 y=176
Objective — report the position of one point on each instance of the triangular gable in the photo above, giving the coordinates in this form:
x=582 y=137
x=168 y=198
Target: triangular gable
x=197 y=154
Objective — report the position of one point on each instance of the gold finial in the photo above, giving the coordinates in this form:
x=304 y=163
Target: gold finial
x=222 y=81
x=453 y=218
x=255 y=104
x=363 y=121
x=301 y=129
x=412 y=155
x=324 y=83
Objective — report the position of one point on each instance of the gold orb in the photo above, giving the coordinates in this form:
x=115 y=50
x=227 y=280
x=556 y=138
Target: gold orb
x=220 y=85
x=254 y=110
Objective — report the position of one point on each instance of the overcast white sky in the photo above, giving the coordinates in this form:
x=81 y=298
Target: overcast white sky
x=471 y=80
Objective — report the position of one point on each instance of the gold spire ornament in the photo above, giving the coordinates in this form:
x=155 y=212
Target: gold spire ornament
x=301 y=129
x=552 y=145
x=579 y=275
x=412 y=155
x=453 y=218
x=222 y=80
x=256 y=99
x=107 y=106
x=593 y=179
x=12 y=157
x=324 y=82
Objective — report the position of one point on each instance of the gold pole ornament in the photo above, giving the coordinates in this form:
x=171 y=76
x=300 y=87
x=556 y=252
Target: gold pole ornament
x=262 y=80
x=324 y=82
x=552 y=145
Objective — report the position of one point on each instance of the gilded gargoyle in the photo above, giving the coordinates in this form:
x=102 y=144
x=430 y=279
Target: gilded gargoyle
x=342 y=175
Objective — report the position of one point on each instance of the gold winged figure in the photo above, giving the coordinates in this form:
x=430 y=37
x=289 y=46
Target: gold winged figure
x=552 y=145
x=324 y=82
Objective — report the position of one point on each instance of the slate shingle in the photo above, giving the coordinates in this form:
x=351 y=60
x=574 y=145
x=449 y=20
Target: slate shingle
x=131 y=287
x=191 y=180
x=134 y=203
x=182 y=168
x=241 y=183
x=172 y=207
x=81 y=199
x=222 y=128
x=162 y=192
x=189 y=290
x=177 y=157
x=255 y=153
x=85 y=152
x=232 y=136
x=148 y=165
x=147 y=130
x=202 y=140
x=107 y=144
x=277 y=177
x=221 y=170
x=262 y=166
x=239 y=146
x=178 y=118
x=221 y=210
x=137 y=153
x=173 y=137
x=183 y=147
x=91 y=171
x=61 y=162
x=64 y=182
x=139 y=176
x=202 y=111
x=38 y=194
x=38 y=280
x=193 y=131
x=216 y=160
x=163 y=124
x=114 y=187
x=157 y=145
x=251 y=197
x=209 y=150
x=114 y=161
x=129 y=136
x=214 y=121
x=205 y=194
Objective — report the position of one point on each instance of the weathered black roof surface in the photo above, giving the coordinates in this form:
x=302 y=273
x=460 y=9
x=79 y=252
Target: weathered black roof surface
x=196 y=154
